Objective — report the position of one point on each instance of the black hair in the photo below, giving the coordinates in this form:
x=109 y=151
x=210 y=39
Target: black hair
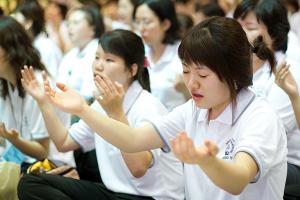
x=273 y=14
x=164 y=10
x=33 y=11
x=210 y=9
x=130 y=47
x=94 y=18
x=18 y=49
x=222 y=46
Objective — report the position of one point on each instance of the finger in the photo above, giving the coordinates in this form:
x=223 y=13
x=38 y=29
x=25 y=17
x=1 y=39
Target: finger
x=97 y=96
x=109 y=84
x=25 y=73
x=104 y=86
x=62 y=86
x=211 y=147
x=281 y=66
x=282 y=77
x=31 y=73
x=119 y=87
x=44 y=75
x=283 y=71
x=98 y=85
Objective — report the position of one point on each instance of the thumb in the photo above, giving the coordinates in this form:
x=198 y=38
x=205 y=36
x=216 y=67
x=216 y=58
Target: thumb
x=62 y=86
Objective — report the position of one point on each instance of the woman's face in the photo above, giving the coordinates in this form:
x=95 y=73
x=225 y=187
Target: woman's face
x=205 y=87
x=253 y=28
x=112 y=66
x=152 y=30
x=80 y=31
x=125 y=11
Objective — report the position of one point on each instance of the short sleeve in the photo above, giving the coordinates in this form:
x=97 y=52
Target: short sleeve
x=83 y=135
x=170 y=125
x=262 y=136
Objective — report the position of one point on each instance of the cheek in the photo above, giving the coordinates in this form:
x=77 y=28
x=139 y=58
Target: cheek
x=252 y=35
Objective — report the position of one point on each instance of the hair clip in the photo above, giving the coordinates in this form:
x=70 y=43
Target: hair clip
x=146 y=62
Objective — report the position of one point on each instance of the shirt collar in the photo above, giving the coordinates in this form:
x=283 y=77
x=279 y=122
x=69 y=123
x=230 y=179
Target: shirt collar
x=243 y=100
x=132 y=94
x=88 y=48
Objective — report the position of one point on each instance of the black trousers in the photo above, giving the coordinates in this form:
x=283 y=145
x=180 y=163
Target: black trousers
x=54 y=187
x=292 y=185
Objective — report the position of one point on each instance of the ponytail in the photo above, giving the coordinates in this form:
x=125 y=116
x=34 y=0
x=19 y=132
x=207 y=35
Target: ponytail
x=264 y=52
x=143 y=78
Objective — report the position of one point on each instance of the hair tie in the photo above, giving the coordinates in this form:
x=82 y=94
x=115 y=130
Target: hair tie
x=146 y=62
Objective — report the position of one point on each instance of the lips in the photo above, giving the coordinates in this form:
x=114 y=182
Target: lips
x=197 y=96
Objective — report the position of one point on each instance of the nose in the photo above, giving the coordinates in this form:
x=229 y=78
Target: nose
x=193 y=82
x=98 y=65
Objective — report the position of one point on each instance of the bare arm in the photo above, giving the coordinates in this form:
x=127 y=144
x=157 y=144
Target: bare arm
x=37 y=149
x=240 y=172
x=135 y=139
x=56 y=129
x=285 y=80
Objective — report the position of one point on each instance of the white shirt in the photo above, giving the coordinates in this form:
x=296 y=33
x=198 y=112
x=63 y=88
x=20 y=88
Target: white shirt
x=293 y=49
x=264 y=85
x=25 y=116
x=22 y=114
x=163 y=75
x=50 y=53
x=253 y=128
x=160 y=181
x=76 y=69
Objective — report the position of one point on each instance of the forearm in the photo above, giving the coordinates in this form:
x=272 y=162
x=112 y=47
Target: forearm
x=296 y=106
x=56 y=129
x=113 y=131
x=32 y=148
x=221 y=171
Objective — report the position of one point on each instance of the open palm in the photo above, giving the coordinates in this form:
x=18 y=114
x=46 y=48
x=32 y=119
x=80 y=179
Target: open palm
x=31 y=84
x=68 y=100
x=285 y=80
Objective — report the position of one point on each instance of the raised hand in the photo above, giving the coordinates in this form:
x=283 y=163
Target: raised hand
x=32 y=85
x=8 y=134
x=285 y=80
x=185 y=150
x=68 y=100
x=111 y=95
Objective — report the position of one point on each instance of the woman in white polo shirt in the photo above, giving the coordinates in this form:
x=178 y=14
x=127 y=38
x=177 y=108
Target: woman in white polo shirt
x=269 y=19
x=146 y=175
x=157 y=24
x=231 y=142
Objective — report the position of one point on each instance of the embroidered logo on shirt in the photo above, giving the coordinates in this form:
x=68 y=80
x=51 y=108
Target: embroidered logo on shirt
x=230 y=144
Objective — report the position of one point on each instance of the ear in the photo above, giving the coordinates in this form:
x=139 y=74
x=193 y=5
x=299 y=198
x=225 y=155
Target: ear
x=166 y=24
x=133 y=70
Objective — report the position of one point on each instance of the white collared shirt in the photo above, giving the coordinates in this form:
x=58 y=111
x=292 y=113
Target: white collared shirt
x=160 y=181
x=163 y=75
x=25 y=116
x=264 y=85
x=253 y=128
x=50 y=53
x=76 y=69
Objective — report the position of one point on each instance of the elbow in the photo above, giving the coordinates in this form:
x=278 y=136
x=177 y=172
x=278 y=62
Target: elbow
x=43 y=155
x=139 y=169
x=236 y=191
x=138 y=172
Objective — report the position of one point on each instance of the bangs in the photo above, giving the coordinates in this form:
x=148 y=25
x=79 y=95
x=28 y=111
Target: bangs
x=198 y=47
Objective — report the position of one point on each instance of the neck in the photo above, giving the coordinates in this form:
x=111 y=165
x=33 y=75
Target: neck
x=215 y=112
x=10 y=77
x=257 y=63
x=157 y=51
x=82 y=45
